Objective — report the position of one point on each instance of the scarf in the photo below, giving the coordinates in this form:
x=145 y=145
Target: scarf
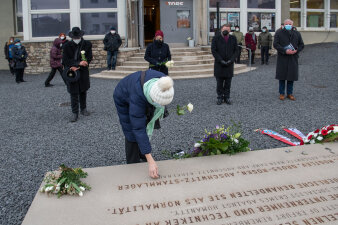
x=159 y=110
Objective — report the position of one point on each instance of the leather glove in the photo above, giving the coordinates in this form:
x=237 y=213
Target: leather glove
x=223 y=63
x=228 y=63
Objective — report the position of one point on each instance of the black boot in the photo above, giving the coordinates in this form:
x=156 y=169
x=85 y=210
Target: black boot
x=227 y=101
x=219 y=101
x=74 y=117
x=84 y=112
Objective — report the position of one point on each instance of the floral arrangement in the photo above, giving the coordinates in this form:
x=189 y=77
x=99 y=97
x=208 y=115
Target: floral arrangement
x=65 y=181
x=83 y=56
x=180 y=110
x=218 y=141
x=169 y=64
x=322 y=135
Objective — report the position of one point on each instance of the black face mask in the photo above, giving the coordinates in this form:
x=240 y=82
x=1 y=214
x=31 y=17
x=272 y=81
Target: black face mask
x=158 y=42
x=225 y=32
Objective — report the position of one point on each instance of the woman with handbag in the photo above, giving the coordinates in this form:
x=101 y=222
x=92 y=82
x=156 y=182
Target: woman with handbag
x=135 y=96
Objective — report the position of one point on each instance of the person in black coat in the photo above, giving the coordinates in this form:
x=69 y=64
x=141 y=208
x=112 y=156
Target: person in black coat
x=288 y=43
x=112 y=42
x=19 y=55
x=77 y=55
x=224 y=49
x=8 y=53
x=158 y=53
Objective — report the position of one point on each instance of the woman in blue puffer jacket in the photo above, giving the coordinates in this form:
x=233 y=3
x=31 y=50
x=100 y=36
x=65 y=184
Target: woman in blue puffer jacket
x=133 y=96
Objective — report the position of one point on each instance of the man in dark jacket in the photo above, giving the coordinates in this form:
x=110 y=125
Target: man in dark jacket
x=19 y=55
x=264 y=44
x=224 y=49
x=158 y=54
x=112 y=42
x=133 y=95
x=55 y=62
x=288 y=43
x=77 y=55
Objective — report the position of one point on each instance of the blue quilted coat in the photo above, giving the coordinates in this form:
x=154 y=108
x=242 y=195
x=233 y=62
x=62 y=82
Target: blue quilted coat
x=131 y=106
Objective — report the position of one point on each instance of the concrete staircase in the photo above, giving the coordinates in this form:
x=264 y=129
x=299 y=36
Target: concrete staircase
x=188 y=63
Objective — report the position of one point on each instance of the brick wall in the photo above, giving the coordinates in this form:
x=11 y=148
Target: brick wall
x=38 y=56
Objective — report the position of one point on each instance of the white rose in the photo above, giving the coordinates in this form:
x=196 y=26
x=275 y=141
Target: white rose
x=82 y=188
x=83 y=52
x=80 y=193
x=315 y=135
x=66 y=186
x=57 y=189
x=197 y=145
x=236 y=141
x=335 y=129
x=319 y=138
x=312 y=141
x=190 y=107
x=306 y=140
x=42 y=189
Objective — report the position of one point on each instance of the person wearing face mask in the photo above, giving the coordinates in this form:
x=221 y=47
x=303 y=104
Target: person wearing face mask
x=264 y=44
x=63 y=38
x=19 y=55
x=158 y=53
x=8 y=53
x=251 y=42
x=288 y=43
x=133 y=96
x=77 y=55
x=112 y=42
x=225 y=50
x=55 y=62
x=240 y=38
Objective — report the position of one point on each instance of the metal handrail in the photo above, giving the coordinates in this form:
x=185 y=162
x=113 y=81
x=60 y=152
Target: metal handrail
x=249 y=49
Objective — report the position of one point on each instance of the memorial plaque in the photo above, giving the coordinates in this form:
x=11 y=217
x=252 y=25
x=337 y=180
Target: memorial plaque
x=285 y=186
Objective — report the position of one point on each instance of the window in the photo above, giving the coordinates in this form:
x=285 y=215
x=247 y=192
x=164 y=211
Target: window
x=333 y=4
x=224 y=3
x=315 y=19
x=98 y=4
x=226 y=17
x=315 y=4
x=45 y=25
x=49 y=4
x=18 y=16
x=295 y=3
x=92 y=25
x=295 y=17
x=259 y=20
x=261 y=4
x=333 y=19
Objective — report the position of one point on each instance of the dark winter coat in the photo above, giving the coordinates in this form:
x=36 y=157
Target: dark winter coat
x=7 y=50
x=131 y=105
x=250 y=42
x=69 y=59
x=19 y=57
x=56 y=54
x=112 y=42
x=265 y=39
x=158 y=54
x=222 y=50
x=287 y=65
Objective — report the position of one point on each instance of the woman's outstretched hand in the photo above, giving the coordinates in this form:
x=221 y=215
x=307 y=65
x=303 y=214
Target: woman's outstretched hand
x=153 y=169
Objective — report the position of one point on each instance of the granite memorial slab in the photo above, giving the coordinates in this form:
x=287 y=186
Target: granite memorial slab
x=284 y=186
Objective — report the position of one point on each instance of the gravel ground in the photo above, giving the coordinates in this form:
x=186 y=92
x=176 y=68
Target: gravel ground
x=36 y=136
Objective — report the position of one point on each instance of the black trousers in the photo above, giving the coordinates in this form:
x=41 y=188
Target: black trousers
x=52 y=74
x=265 y=53
x=238 y=59
x=133 y=153
x=252 y=56
x=75 y=99
x=19 y=75
x=223 y=87
x=11 y=69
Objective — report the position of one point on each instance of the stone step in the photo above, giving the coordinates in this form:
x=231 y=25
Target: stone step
x=175 y=58
x=141 y=54
x=179 y=49
x=176 y=63
x=175 y=68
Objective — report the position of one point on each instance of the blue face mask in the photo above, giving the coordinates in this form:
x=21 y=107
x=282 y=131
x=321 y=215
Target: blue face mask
x=288 y=27
x=18 y=45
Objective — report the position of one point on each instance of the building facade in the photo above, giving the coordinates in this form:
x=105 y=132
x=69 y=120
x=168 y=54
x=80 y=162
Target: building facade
x=40 y=21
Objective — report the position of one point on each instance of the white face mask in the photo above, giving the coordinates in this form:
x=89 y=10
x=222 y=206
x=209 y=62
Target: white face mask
x=112 y=31
x=77 y=41
x=62 y=38
x=237 y=29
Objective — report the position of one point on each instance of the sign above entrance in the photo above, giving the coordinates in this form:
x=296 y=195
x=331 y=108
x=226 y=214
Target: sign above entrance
x=175 y=3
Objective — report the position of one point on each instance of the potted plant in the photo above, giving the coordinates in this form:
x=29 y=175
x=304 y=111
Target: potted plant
x=191 y=42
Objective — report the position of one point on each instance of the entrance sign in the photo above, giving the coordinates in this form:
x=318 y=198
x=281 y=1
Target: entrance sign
x=175 y=3
x=286 y=186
